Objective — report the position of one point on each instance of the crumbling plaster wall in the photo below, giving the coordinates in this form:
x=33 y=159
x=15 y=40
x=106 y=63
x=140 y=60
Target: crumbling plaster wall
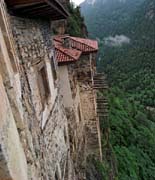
x=13 y=162
x=71 y=101
x=65 y=88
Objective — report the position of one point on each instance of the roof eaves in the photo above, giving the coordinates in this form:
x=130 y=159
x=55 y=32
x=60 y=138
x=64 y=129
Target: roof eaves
x=74 y=39
x=68 y=55
x=65 y=12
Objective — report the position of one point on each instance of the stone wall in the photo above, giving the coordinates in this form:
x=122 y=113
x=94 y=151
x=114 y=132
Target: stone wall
x=42 y=136
x=56 y=150
x=50 y=138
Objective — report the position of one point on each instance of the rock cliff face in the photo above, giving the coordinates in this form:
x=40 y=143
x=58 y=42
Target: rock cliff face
x=73 y=25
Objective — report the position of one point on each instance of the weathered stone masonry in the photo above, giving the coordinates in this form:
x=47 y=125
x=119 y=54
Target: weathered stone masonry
x=28 y=45
x=44 y=134
x=33 y=41
x=40 y=137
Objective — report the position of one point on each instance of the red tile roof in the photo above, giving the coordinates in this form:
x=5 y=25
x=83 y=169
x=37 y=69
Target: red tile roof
x=78 y=46
x=64 y=54
x=59 y=38
x=85 y=45
x=82 y=44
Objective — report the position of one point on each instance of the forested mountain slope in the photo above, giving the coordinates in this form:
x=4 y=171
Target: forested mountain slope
x=104 y=17
x=126 y=32
x=129 y=57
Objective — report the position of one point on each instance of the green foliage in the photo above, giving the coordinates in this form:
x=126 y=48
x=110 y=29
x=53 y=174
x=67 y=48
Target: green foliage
x=103 y=168
x=133 y=70
x=132 y=67
x=95 y=169
x=132 y=138
x=76 y=23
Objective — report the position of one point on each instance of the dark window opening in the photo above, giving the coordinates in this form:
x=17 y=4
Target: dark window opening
x=65 y=135
x=43 y=84
x=79 y=113
x=56 y=176
x=53 y=69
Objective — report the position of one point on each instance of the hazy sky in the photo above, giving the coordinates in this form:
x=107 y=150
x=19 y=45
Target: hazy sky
x=77 y=2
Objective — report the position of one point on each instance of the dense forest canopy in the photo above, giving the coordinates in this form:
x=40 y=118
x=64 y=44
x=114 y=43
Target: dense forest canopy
x=125 y=30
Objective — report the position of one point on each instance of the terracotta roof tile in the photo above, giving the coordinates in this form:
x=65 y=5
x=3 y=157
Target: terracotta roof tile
x=58 y=38
x=84 y=44
x=64 y=54
x=78 y=46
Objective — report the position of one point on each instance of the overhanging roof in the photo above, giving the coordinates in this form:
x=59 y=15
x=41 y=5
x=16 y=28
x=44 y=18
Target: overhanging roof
x=51 y=9
x=82 y=44
x=65 y=54
x=77 y=47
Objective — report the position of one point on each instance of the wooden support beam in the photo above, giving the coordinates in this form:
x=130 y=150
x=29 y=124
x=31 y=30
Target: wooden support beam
x=40 y=6
x=53 y=4
x=22 y=2
x=24 y=6
x=36 y=12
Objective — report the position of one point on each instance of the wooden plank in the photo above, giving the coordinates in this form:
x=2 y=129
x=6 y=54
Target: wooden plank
x=26 y=6
x=55 y=5
x=52 y=14
x=22 y=2
x=43 y=10
x=36 y=7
